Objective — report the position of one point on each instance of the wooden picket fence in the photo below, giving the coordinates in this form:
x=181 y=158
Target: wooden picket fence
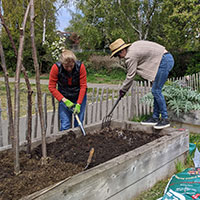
x=99 y=103
x=192 y=81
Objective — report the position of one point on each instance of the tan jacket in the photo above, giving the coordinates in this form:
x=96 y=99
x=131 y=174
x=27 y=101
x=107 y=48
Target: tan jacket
x=142 y=58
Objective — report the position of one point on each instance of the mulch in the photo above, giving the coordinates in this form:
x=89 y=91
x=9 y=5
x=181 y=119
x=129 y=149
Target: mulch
x=67 y=156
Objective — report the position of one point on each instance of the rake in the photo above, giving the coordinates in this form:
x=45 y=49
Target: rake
x=107 y=119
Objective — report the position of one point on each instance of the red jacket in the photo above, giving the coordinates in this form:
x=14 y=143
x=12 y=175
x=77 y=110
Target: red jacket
x=53 y=78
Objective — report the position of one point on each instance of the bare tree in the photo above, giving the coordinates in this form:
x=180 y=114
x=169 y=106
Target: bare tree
x=144 y=17
x=9 y=101
x=39 y=93
x=30 y=92
x=46 y=12
x=17 y=95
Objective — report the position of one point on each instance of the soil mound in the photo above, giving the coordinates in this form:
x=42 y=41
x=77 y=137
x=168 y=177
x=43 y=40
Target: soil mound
x=67 y=157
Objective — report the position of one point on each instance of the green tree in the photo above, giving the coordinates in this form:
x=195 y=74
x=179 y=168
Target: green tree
x=175 y=24
x=179 y=25
x=103 y=21
x=45 y=24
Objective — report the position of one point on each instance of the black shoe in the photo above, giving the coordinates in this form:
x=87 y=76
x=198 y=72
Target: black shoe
x=163 y=123
x=151 y=121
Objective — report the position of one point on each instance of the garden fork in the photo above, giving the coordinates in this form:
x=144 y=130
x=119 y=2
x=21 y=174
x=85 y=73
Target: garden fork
x=107 y=119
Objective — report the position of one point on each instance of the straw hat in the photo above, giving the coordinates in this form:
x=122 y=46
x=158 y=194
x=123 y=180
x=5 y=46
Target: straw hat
x=117 y=46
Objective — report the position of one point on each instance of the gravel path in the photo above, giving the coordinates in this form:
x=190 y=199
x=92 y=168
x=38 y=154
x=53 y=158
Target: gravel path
x=45 y=82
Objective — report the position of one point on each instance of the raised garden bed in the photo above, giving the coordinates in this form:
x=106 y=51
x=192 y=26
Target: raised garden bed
x=128 y=159
x=190 y=120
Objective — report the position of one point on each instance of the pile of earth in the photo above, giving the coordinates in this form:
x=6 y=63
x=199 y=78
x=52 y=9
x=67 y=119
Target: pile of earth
x=67 y=156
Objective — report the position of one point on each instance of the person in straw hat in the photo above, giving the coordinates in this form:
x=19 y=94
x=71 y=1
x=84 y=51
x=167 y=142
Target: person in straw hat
x=152 y=62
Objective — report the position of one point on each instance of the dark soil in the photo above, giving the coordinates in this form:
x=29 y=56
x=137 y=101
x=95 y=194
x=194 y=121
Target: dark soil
x=67 y=157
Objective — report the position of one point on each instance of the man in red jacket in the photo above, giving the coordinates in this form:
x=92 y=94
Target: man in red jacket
x=70 y=76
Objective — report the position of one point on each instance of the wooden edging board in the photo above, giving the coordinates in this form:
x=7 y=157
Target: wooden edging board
x=125 y=176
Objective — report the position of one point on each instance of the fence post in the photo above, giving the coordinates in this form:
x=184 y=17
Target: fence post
x=86 y=113
x=132 y=107
x=118 y=103
x=196 y=81
x=113 y=97
x=45 y=110
x=91 y=119
x=127 y=106
x=123 y=109
x=145 y=92
x=101 y=100
x=149 y=105
x=97 y=98
x=141 y=88
x=190 y=81
x=106 y=101
x=53 y=115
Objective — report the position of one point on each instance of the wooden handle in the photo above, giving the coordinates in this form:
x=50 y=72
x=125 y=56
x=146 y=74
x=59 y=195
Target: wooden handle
x=80 y=124
x=90 y=155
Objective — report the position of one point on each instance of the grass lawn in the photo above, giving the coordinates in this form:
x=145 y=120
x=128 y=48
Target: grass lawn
x=115 y=76
x=23 y=97
x=44 y=89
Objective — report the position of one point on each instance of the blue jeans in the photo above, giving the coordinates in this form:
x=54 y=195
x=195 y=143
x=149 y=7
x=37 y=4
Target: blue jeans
x=66 y=115
x=165 y=67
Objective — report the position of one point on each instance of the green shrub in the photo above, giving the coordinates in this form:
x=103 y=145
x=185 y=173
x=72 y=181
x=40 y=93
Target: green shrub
x=85 y=55
x=103 y=75
x=103 y=62
x=186 y=63
x=179 y=99
x=194 y=65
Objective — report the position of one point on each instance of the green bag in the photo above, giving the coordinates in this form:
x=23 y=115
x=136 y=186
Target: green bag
x=184 y=186
x=192 y=147
x=171 y=195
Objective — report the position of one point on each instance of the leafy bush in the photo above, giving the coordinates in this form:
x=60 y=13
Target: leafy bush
x=103 y=69
x=85 y=55
x=99 y=62
x=114 y=76
x=56 y=47
x=185 y=63
x=178 y=98
x=194 y=65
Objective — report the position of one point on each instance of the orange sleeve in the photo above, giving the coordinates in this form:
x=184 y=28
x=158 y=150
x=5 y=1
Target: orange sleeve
x=53 y=78
x=83 y=83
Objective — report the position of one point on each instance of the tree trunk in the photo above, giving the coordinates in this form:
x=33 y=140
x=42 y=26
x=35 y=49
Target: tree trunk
x=30 y=92
x=9 y=101
x=39 y=93
x=44 y=28
x=17 y=94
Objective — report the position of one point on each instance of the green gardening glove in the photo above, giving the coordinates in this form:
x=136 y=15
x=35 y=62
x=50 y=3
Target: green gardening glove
x=68 y=103
x=77 y=109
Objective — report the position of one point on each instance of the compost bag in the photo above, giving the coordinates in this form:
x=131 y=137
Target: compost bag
x=183 y=186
